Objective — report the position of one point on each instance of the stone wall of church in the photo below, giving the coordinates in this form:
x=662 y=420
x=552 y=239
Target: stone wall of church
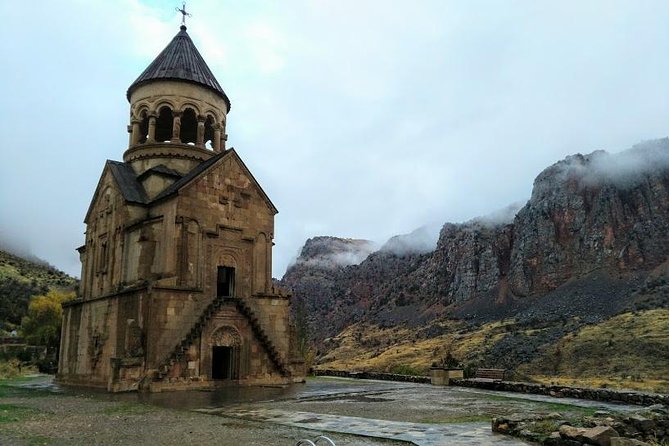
x=171 y=315
x=112 y=254
x=274 y=316
x=89 y=341
x=97 y=332
x=236 y=228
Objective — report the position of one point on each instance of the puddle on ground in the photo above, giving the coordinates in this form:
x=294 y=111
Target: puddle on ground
x=357 y=397
x=382 y=409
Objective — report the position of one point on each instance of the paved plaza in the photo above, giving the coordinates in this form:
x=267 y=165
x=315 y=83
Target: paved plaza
x=418 y=414
x=349 y=411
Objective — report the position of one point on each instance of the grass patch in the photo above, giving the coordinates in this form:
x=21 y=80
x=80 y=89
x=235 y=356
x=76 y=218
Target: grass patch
x=405 y=369
x=11 y=387
x=543 y=405
x=127 y=409
x=631 y=383
x=11 y=369
x=39 y=440
x=545 y=427
x=457 y=419
x=629 y=350
x=10 y=413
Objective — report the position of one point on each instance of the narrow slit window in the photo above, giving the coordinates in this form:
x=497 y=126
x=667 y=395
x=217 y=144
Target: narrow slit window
x=225 y=282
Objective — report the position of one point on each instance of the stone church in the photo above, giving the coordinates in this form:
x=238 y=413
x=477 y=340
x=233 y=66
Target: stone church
x=176 y=283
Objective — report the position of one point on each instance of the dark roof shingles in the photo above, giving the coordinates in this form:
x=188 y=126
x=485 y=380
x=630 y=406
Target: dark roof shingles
x=126 y=179
x=182 y=61
x=160 y=169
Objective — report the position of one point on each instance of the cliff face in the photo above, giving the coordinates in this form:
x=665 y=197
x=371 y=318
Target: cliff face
x=590 y=212
x=599 y=215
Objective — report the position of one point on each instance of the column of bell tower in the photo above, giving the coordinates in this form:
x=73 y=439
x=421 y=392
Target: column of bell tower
x=177 y=117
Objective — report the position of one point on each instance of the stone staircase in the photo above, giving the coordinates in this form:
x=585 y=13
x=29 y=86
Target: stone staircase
x=195 y=332
x=260 y=334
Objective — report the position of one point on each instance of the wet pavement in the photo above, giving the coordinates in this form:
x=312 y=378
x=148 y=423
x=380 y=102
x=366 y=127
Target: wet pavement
x=419 y=414
x=415 y=433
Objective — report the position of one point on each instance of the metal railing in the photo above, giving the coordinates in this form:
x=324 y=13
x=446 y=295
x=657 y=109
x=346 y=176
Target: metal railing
x=321 y=439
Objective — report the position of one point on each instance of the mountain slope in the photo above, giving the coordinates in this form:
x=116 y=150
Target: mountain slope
x=588 y=245
x=20 y=279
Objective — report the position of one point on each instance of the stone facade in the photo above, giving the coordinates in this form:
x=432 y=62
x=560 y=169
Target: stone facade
x=176 y=285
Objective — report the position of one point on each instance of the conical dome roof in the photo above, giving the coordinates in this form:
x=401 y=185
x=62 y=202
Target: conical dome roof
x=180 y=60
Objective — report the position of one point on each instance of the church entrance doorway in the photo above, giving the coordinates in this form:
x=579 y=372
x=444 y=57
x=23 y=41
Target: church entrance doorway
x=225 y=345
x=221 y=362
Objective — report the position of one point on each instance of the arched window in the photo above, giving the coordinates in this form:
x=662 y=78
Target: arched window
x=143 y=126
x=209 y=132
x=188 y=127
x=164 y=124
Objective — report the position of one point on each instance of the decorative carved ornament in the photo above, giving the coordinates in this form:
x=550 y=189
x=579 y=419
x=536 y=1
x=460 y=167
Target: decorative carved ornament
x=225 y=336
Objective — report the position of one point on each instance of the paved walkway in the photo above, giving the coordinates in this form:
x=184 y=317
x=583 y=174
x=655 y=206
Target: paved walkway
x=415 y=433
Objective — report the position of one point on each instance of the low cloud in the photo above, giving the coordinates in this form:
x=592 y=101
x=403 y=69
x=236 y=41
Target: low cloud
x=499 y=217
x=419 y=241
x=333 y=252
x=624 y=169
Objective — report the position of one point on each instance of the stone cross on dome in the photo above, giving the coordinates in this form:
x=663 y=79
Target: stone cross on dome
x=183 y=13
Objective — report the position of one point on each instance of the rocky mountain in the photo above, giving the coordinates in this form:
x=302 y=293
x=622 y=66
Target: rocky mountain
x=591 y=238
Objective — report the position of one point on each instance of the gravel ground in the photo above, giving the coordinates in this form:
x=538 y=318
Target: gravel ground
x=58 y=419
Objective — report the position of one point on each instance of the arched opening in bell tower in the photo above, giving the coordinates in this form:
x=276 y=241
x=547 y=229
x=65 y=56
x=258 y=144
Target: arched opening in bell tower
x=143 y=126
x=164 y=124
x=188 y=127
x=209 y=132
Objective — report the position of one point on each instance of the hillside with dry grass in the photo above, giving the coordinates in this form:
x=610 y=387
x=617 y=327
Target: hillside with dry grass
x=573 y=285
x=20 y=279
x=630 y=350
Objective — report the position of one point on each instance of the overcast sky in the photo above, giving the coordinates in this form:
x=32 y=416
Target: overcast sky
x=360 y=118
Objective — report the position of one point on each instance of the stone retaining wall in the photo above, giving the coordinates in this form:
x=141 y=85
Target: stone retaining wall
x=585 y=393
x=616 y=396
x=373 y=375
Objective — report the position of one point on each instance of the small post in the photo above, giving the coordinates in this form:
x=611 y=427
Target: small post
x=134 y=129
x=200 y=131
x=176 y=128
x=152 y=128
x=217 y=138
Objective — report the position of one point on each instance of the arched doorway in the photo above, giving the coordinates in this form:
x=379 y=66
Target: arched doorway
x=225 y=344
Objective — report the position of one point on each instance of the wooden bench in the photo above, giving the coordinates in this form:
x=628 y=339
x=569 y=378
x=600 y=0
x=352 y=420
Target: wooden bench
x=489 y=374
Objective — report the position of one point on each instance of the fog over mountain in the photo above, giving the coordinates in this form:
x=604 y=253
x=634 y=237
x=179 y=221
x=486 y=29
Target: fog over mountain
x=360 y=119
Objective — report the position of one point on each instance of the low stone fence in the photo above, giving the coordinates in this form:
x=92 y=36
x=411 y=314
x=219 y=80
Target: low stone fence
x=584 y=393
x=373 y=375
x=609 y=395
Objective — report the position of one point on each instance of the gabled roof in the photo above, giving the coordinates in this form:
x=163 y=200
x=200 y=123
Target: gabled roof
x=133 y=192
x=127 y=183
x=125 y=177
x=195 y=172
x=205 y=166
x=160 y=169
x=180 y=60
